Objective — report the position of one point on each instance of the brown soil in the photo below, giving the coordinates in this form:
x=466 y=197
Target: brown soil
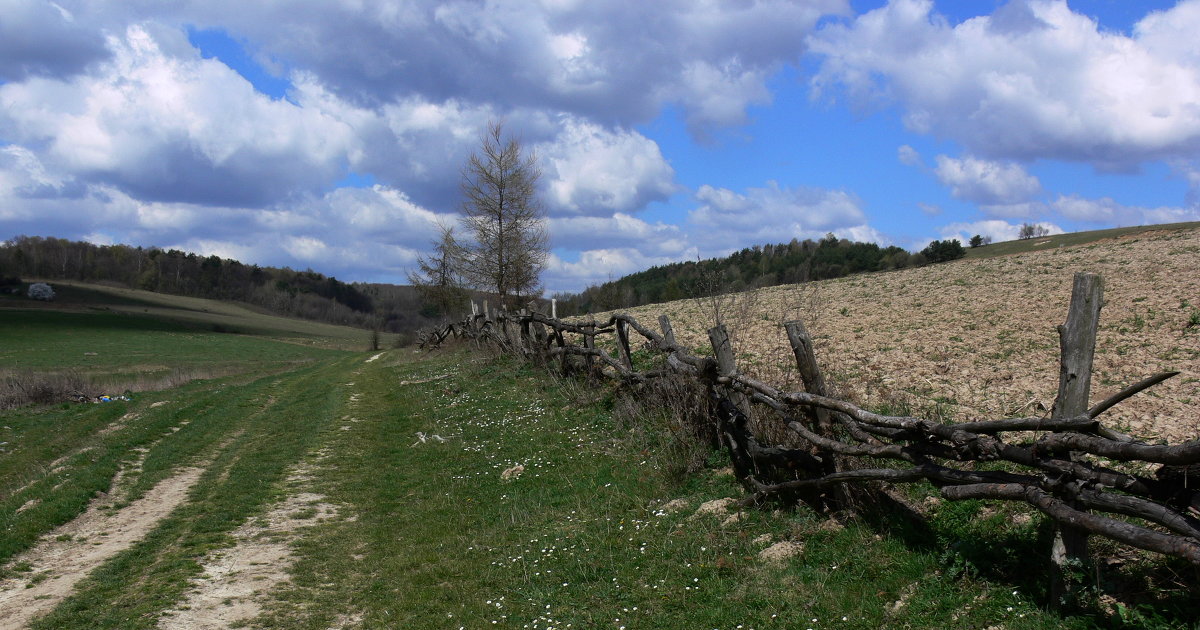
x=977 y=339
x=234 y=582
x=73 y=550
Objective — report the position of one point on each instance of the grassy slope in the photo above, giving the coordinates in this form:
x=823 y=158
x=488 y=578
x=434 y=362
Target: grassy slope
x=194 y=313
x=431 y=537
x=1066 y=240
x=121 y=338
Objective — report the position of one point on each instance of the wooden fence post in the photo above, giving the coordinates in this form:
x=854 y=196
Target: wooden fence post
x=814 y=383
x=623 y=345
x=668 y=331
x=589 y=343
x=1077 y=344
x=810 y=374
x=562 y=344
x=726 y=365
x=553 y=308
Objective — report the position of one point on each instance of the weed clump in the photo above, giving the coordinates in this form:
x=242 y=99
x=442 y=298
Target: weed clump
x=21 y=388
x=669 y=417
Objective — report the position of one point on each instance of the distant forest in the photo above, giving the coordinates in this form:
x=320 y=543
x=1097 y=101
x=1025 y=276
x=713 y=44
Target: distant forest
x=393 y=308
x=751 y=268
x=303 y=294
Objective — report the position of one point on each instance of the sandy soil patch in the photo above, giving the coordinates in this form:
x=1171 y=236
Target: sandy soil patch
x=716 y=507
x=781 y=551
x=73 y=550
x=236 y=580
x=978 y=339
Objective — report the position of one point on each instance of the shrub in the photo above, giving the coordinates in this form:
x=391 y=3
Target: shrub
x=40 y=291
x=942 y=251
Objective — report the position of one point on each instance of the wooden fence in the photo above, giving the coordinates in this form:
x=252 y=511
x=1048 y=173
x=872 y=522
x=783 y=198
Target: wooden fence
x=1080 y=474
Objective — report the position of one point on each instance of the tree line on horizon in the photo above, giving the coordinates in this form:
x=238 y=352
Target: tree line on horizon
x=283 y=291
x=752 y=268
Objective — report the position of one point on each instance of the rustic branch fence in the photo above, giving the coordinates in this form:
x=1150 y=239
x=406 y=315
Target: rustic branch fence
x=1080 y=474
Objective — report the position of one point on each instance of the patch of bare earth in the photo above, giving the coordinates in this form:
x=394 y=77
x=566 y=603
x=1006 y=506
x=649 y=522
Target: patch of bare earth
x=977 y=339
x=237 y=581
x=67 y=554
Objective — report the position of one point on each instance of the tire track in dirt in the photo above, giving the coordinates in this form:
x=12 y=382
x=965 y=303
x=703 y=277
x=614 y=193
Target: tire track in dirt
x=237 y=581
x=70 y=552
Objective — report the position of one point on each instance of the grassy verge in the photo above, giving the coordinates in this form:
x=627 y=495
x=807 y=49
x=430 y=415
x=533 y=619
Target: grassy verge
x=252 y=435
x=1021 y=246
x=586 y=535
x=472 y=494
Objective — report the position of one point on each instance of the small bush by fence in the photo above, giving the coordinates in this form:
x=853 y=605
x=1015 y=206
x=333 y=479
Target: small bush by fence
x=1087 y=478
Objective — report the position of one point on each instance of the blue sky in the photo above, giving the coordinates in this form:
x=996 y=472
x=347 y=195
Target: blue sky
x=329 y=135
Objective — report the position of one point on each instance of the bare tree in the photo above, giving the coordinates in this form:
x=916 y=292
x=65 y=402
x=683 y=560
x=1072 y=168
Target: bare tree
x=439 y=276
x=1032 y=230
x=504 y=218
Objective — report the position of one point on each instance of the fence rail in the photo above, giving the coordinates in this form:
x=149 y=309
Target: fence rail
x=1069 y=466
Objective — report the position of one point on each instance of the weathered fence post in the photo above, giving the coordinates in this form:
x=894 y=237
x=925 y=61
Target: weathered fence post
x=668 y=332
x=810 y=374
x=623 y=345
x=1077 y=344
x=526 y=337
x=553 y=308
x=589 y=343
x=563 y=356
x=814 y=383
x=726 y=365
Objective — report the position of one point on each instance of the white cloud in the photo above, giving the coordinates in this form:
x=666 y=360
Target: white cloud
x=995 y=229
x=710 y=57
x=909 y=156
x=1032 y=80
x=986 y=182
x=173 y=129
x=1106 y=210
x=589 y=170
x=618 y=231
x=596 y=266
x=727 y=220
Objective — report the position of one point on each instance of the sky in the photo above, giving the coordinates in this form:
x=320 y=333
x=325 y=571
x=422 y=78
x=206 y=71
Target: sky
x=331 y=134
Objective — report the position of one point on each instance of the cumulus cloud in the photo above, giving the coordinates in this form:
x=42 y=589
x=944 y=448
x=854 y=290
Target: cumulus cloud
x=728 y=220
x=909 y=156
x=600 y=265
x=1033 y=80
x=1106 y=210
x=710 y=57
x=995 y=229
x=164 y=128
x=618 y=231
x=589 y=170
x=40 y=38
x=986 y=182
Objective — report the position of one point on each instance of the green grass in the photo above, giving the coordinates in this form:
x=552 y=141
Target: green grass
x=430 y=534
x=199 y=314
x=253 y=435
x=1067 y=240
x=108 y=343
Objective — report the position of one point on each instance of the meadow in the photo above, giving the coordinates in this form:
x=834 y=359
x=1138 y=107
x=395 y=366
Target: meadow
x=311 y=483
